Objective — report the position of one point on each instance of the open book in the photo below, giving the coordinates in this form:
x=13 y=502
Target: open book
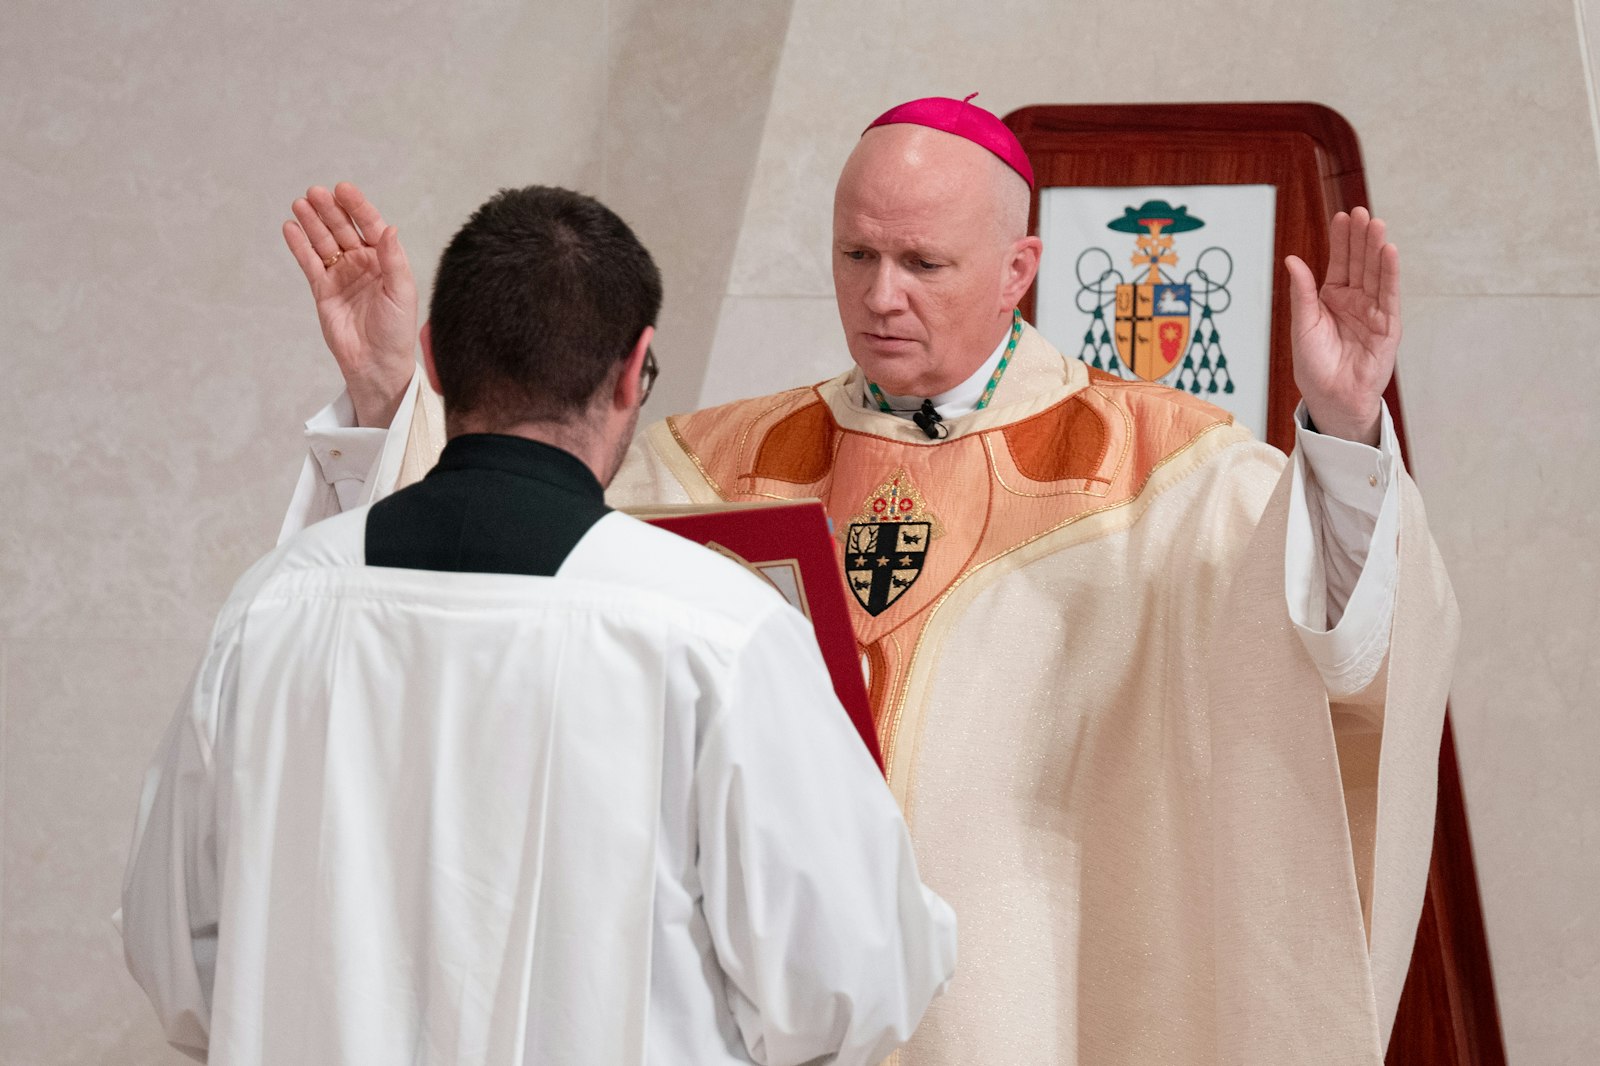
x=788 y=544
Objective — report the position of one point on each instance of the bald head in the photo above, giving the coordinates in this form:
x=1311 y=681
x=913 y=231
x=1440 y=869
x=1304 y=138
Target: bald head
x=931 y=254
x=907 y=160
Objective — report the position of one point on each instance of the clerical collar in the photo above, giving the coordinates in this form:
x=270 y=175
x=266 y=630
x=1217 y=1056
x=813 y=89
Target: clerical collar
x=522 y=457
x=961 y=400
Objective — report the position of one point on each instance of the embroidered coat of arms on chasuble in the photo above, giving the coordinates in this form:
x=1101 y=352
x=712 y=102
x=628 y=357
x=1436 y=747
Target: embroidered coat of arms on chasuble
x=1117 y=761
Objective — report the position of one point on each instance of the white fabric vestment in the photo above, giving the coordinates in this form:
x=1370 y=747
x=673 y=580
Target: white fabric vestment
x=1181 y=818
x=613 y=816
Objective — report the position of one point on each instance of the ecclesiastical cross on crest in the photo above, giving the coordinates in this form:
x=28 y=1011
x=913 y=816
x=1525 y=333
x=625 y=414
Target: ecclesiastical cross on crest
x=1160 y=328
x=886 y=544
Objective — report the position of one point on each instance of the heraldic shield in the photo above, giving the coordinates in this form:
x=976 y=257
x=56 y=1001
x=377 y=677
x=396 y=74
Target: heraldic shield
x=1152 y=327
x=883 y=559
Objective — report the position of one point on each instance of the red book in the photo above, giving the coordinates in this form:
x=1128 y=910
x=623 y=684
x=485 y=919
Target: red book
x=788 y=545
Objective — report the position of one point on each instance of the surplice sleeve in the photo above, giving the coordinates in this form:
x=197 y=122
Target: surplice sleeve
x=349 y=466
x=169 y=891
x=832 y=946
x=1340 y=558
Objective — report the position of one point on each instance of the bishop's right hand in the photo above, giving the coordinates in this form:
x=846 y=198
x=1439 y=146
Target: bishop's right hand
x=366 y=297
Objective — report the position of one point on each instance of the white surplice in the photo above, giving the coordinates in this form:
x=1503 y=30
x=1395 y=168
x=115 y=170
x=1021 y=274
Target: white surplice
x=612 y=816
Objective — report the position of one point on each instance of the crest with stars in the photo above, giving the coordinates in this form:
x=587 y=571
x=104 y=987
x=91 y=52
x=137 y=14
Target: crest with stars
x=886 y=544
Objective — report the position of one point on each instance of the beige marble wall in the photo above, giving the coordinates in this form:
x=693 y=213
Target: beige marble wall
x=161 y=353
x=81 y=718
x=1502 y=399
x=684 y=119
x=1476 y=124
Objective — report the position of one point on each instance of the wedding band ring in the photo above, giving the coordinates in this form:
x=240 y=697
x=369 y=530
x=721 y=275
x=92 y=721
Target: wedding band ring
x=329 y=260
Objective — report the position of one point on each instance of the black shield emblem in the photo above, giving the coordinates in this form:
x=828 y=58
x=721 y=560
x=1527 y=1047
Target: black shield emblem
x=883 y=559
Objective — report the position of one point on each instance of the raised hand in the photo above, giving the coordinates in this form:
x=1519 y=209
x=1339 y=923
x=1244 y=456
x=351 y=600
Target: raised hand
x=366 y=297
x=1345 y=336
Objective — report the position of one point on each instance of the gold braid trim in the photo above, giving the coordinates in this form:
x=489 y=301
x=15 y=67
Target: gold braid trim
x=683 y=445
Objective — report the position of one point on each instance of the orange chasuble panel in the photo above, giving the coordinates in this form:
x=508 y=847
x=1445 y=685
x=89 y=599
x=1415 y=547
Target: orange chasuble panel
x=911 y=521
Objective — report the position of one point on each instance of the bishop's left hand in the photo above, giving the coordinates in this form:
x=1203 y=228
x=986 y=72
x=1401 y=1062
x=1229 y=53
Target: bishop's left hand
x=1346 y=335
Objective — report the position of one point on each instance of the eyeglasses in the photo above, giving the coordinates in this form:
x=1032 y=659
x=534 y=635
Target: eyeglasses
x=647 y=375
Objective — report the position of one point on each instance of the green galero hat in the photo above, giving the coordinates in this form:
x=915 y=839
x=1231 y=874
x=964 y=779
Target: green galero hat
x=1172 y=219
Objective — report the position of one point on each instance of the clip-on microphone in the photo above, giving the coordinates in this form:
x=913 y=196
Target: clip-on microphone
x=928 y=420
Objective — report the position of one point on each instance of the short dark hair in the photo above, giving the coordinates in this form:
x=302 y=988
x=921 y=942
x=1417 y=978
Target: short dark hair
x=538 y=297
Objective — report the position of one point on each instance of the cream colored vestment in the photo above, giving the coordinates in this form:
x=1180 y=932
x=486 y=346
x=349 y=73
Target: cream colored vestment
x=1118 y=762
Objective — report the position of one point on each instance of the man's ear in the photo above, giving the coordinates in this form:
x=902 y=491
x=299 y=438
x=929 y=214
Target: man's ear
x=625 y=393
x=1022 y=265
x=426 y=338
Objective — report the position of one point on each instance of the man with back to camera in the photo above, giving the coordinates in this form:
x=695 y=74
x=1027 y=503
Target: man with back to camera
x=488 y=773
x=1161 y=706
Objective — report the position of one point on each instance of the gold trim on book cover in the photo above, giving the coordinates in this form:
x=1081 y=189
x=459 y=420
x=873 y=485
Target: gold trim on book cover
x=758 y=569
x=900 y=760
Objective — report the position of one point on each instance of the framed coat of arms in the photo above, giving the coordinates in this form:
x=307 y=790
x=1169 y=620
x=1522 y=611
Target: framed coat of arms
x=1164 y=283
x=1184 y=213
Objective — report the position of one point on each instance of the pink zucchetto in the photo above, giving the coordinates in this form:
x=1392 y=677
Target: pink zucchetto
x=964 y=119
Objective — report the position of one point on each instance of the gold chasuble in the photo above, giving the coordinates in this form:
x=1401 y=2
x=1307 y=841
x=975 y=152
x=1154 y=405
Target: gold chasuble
x=1162 y=841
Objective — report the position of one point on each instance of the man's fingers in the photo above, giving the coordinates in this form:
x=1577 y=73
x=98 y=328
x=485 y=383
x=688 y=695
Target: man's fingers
x=1359 y=222
x=300 y=247
x=1374 y=250
x=359 y=208
x=1304 y=307
x=333 y=216
x=322 y=241
x=392 y=259
x=1389 y=283
x=1338 y=250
